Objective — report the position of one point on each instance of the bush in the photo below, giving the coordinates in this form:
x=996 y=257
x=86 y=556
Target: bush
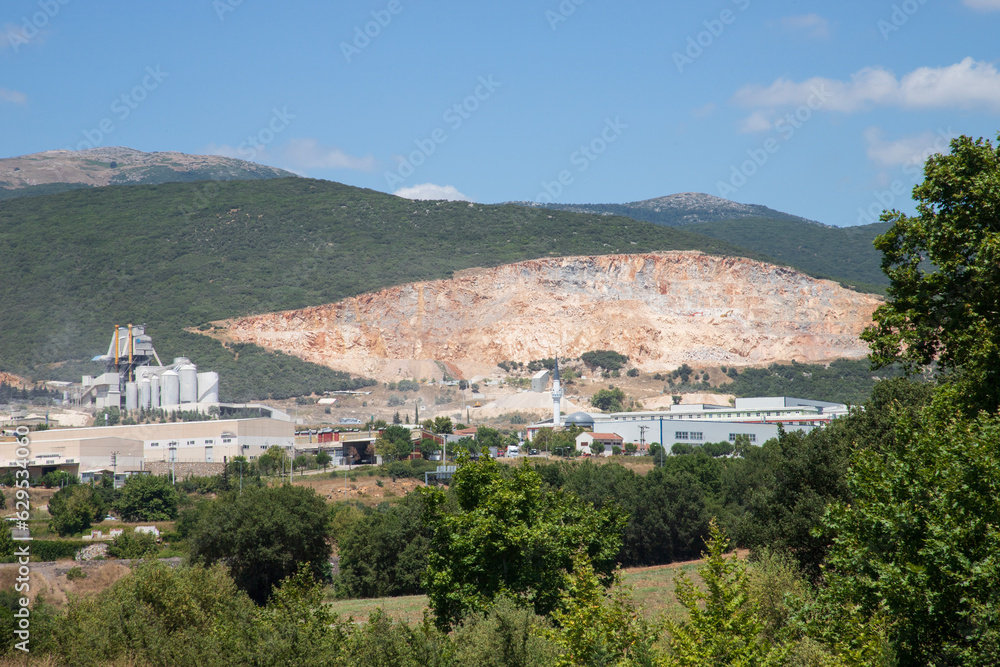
x=633 y=372
x=395 y=400
x=609 y=360
x=76 y=573
x=46 y=550
x=131 y=544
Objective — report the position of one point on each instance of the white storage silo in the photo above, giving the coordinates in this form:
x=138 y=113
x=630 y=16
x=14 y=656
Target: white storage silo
x=188 y=375
x=131 y=396
x=208 y=387
x=154 y=391
x=171 y=390
x=144 y=391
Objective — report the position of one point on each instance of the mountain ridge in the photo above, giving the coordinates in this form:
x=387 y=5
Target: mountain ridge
x=55 y=171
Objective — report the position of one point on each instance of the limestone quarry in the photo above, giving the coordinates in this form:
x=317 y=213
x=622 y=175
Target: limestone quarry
x=662 y=310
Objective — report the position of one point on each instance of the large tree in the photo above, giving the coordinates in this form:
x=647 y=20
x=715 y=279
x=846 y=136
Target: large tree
x=919 y=539
x=74 y=508
x=511 y=537
x=263 y=535
x=944 y=270
x=147 y=498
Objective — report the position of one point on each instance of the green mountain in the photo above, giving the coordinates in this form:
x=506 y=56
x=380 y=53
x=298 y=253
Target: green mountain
x=179 y=255
x=61 y=170
x=845 y=254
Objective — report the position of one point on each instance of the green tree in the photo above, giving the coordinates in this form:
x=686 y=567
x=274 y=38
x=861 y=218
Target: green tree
x=943 y=267
x=385 y=552
x=147 y=498
x=595 y=626
x=131 y=544
x=510 y=537
x=606 y=359
x=919 y=538
x=723 y=625
x=609 y=400
x=74 y=508
x=262 y=535
x=443 y=424
x=323 y=458
x=161 y=615
x=6 y=542
x=396 y=442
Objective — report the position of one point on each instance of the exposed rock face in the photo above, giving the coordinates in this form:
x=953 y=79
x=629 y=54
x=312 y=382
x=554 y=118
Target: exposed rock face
x=661 y=310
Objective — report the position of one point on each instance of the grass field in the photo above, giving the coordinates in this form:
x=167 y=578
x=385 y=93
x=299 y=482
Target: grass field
x=652 y=589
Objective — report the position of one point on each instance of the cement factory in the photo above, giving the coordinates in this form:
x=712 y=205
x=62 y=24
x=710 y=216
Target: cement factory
x=132 y=382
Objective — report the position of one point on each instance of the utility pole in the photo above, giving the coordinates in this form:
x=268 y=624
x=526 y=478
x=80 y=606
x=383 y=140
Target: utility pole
x=642 y=436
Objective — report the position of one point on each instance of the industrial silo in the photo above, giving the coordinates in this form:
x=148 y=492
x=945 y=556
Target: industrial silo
x=188 y=375
x=171 y=390
x=131 y=396
x=208 y=387
x=154 y=391
x=144 y=393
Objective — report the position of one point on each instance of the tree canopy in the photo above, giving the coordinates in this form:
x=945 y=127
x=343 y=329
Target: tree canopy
x=944 y=270
x=147 y=498
x=262 y=535
x=511 y=537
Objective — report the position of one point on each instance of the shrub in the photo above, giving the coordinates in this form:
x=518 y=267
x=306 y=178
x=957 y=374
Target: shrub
x=131 y=544
x=76 y=573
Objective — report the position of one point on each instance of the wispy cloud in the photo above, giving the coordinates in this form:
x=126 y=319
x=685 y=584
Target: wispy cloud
x=968 y=84
x=431 y=191
x=297 y=155
x=810 y=25
x=983 y=5
x=758 y=121
x=12 y=96
x=914 y=149
x=309 y=154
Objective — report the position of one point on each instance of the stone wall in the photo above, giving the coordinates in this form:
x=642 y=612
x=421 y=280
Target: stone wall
x=183 y=470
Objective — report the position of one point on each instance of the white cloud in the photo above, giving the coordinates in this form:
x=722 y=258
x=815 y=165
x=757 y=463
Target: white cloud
x=911 y=150
x=983 y=5
x=812 y=25
x=297 y=155
x=965 y=85
x=704 y=111
x=431 y=191
x=12 y=96
x=758 y=121
x=309 y=154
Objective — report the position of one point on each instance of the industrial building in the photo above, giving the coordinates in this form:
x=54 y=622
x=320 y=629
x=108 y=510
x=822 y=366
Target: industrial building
x=758 y=418
x=131 y=380
x=135 y=447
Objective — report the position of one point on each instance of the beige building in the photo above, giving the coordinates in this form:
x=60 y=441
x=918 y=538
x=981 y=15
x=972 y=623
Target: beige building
x=132 y=447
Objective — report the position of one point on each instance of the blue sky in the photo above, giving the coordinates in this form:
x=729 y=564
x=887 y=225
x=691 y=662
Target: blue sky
x=818 y=109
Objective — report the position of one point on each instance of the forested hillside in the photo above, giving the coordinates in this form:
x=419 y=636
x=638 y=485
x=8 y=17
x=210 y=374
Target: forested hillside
x=179 y=255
